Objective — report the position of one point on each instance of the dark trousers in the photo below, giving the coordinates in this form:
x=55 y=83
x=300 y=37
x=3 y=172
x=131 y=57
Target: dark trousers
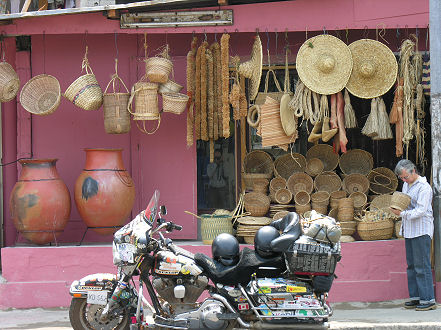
x=217 y=197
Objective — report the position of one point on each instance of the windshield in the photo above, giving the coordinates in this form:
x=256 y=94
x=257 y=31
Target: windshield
x=152 y=208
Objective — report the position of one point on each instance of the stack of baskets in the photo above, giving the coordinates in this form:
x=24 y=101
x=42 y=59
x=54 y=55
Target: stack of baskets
x=248 y=226
x=320 y=202
x=302 y=199
x=257 y=204
x=257 y=165
x=275 y=185
x=345 y=216
x=286 y=165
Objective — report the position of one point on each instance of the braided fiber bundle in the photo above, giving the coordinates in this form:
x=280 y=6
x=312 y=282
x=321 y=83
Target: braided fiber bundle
x=350 y=119
x=191 y=84
x=217 y=90
x=225 y=39
x=235 y=100
x=210 y=96
x=243 y=99
x=197 y=95
x=204 y=86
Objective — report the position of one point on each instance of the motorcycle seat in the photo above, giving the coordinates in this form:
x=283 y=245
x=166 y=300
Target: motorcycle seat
x=291 y=230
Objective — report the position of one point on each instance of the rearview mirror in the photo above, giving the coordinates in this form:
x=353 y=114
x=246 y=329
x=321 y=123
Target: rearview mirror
x=163 y=210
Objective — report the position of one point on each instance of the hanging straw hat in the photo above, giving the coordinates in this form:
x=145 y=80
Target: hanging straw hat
x=253 y=68
x=375 y=69
x=324 y=64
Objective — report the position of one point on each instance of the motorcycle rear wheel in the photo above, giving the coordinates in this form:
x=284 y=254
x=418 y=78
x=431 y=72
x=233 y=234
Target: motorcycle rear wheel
x=86 y=316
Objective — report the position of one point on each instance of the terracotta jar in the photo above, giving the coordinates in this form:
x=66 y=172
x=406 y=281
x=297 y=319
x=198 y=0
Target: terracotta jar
x=104 y=191
x=40 y=201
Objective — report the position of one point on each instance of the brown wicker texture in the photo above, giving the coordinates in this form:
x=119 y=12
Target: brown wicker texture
x=85 y=92
x=356 y=161
x=314 y=167
x=348 y=228
x=261 y=185
x=359 y=198
x=320 y=197
x=146 y=101
x=280 y=215
x=300 y=182
x=174 y=102
x=41 y=95
x=327 y=181
x=157 y=69
x=322 y=209
x=400 y=201
x=256 y=203
x=302 y=198
x=355 y=183
x=249 y=179
x=170 y=87
x=288 y=164
x=116 y=116
x=277 y=183
x=345 y=209
x=382 y=181
x=301 y=209
x=334 y=198
x=326 y=154
x=283 y=196
x=377 y=230
x=258 y=161
x=397 y=227
x=333 y=213
x=382 y=202
x=9 y=82
x=346 y=239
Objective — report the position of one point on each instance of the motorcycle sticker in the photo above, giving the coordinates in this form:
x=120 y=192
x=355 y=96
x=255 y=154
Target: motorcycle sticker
x=243 y=306
x=292 y=288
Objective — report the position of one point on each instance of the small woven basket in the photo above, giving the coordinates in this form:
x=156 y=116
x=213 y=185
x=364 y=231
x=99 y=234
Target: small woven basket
x=326 y=154
x=170 y=87
x=158 y=69
x=288 y=164
x=174 y=102
x=356 y=161
x=327 y=181
x=359 y=198
x=382 y=181
x=375 y=230
x=256 y=203
x=283 y=196
x=277 y=183
x=258 y=161
x=400 y=201
x=41 y=95
x=314 y=166
x=302 y=198
x=9 y=82
x=249 y=179
x=300 y=182
x=356 y=183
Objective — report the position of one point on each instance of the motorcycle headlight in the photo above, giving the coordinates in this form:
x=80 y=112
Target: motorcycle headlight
x=142 y=244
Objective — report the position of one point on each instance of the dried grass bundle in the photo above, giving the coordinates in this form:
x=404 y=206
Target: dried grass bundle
x=371 y=126
x=417 y=62
x=197 y=94
x=350 y=119
x=296 y=103
x=243 y=98
x=210 y=96
x=384 y=130
x=204 y=86
x=225 y=75
x=217 y=89
x=235 y=100
x=420 y=132
x=191 y=71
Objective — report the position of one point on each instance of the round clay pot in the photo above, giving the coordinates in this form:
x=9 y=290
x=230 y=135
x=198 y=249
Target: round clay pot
x=104 y=191
x=40 y=201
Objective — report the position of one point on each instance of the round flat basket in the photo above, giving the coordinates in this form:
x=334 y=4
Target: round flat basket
x=256 y=203
x=300 y=182
x=382 y=181
x=250 y=178
x=377 y=230
x=213 y=225
x=400 y=201
x=314 y=166
x=9 y=82
x=326 y=154
x=283 y=196
x=355 y=183
x=327 y=181
x=359 y=198
x=280 y=215
x=277 y=183
x=302 y=198
x=41 y=95
x=356 y=161
x=174 y=102
x=288 y=164
x=258 y=161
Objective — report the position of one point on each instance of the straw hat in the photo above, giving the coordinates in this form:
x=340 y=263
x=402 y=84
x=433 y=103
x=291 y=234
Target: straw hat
x=252 y=69
x=324 y=64
x=375 y=69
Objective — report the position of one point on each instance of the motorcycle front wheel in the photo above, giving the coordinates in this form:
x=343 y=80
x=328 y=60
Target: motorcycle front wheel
x=87 y=316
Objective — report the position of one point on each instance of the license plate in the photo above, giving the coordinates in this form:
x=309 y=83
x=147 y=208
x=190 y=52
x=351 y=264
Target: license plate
x=97 y=297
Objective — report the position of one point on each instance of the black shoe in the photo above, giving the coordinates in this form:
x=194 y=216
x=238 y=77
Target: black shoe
x=411 y=304
x=426 y=306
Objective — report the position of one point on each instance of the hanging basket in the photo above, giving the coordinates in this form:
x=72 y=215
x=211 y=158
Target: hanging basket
x=300 y=182
x=174 y=102
x=356 y=161
x=41 y=95
x=158 y=69
x=9 y=82
x=288 y=164
x=170 y=87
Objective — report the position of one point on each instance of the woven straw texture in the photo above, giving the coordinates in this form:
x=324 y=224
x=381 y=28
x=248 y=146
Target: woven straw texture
x=174 y=102
x=170 y=87
x=85 y=92
x=400 y=201
x=157 y=69
x=314 y=167
x=271 y=127
x=277 y=183
x=302 y=198
x=300 y=182
x=9 y=82
x=253 y=69
x=146 y=101
x=371 y=231
x=327 y=181
x=283 y=196
x=356 y=161
x=256 y=203
x=280 y=215
x=359 y=198
x=249 y=178
x=326 y=154
x=355 y=183
x=301 y=209
x=288 y=164
x=334 y=198
x=116 y=116
x=261 y=185
x=41 y=95
x=213 y=225
x=320 y=197
x=333 y=213
x=258 y=161
x=382 y=181
x=397 y=228
x=348 y=228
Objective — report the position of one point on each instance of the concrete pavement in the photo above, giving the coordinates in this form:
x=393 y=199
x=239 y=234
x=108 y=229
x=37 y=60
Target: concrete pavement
x=347 y=316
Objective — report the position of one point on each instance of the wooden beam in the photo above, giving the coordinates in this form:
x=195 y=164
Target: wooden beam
x=113 y=14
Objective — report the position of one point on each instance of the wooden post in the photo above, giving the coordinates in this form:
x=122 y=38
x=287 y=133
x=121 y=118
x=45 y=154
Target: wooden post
x=222 y=2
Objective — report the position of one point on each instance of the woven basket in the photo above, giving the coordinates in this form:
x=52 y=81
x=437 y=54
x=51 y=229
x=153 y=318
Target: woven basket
x=256 y=203
x=288 y=164
x=382 y=181
x=280 y=215
x=300 y=182
x=170 y=87
x=248 y=239
x=400 y=201
x=345 y=209
x=41 y=95
x=326 y=154
x=359 y=198
x=346 y=239
x=283 y=196
x=9 y=82
x=314 y=167
x=258 y=161
x=277 y=183
x=85 y=92
x=249 y=179
x=334 y=198
x=356 y=183
x=377 y=230
x=322 y=209
x=213 y=225
x=320 y=197
x=302 y=198
x=116 y=116
x=356 y=161
x=261 y=185
x=146 y=101
x=397 y=228
x=333 y=213
x=174 y=102
x=327 y=181
x=382 y=202
x=157 y=69
x=348 y=228
x=301 y=209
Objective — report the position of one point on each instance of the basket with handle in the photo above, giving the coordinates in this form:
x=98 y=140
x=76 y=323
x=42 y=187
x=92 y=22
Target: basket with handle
x=375 y=230
x=116 y=116
x=9 y=81
x=41 y=95
x=85 y=92
x=382 y=181
x=158 y=69
x=145 y=95
x=174 y=102
x=213 y=225
x=170 y=87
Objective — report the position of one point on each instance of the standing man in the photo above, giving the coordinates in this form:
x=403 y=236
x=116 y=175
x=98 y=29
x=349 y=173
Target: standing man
x=417 y=229
x=217 y=191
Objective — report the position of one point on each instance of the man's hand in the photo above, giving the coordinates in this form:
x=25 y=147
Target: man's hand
x=395 y=211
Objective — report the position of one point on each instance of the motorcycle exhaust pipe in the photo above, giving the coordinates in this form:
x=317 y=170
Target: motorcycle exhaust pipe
x=227 y=304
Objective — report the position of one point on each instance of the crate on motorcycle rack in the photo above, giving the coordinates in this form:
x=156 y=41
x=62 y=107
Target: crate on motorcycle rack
x=312 y=258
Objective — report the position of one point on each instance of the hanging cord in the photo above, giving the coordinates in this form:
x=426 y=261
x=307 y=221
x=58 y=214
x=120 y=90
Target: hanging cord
x=44 y=51
x=15 y=161
x=116 y=45
x=2 y=45
x=382 y=32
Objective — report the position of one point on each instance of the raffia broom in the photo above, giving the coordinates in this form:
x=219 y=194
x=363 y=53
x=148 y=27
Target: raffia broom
x=204 y=95
x=215 y=50
x=210 y=95
x=371 y=126
x=197 y=95
x=191 y=84
x=384 y=130
x=350 y=119
x=225 y=75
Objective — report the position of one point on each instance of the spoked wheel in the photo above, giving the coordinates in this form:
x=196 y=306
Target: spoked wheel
x=87 y=316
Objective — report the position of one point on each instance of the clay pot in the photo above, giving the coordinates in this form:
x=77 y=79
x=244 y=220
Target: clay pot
x=40 y=201
x=104 y=191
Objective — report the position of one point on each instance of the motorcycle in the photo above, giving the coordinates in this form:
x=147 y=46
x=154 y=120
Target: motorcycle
x=193 y=291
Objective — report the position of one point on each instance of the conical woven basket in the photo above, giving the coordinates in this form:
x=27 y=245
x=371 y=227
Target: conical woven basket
x=170 y=87
x=85 y=92
x=9 y=82
x=41 y=95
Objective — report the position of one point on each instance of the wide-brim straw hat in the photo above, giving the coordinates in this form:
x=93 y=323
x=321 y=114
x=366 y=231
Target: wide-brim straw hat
x=324 y=64
x=374 y=71
x=252 y=69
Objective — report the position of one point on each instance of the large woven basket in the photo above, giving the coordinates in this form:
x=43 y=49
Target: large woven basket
x=326 y=154
x=41 y=95
x=249 y=178
x=320 y=198
x=288 y=164
x=174 y=102
x=376 y=230
x=355 y=183
x=356 y=161
x=382 y=181
x=258 y=161
x=116 y=116
x=382 y=202
x=283 y=196
x=359 y=198
x=314 y=166
x=256 y=203
x=213 y=225
x=327 y=181
x=397 y=228
x=277 y=183
x=348 y=228
x=9 y=82
x=261 y=185
x=158 y=69
x=333 y=213
x=302 y=198
x=345 y=209
x=400 y=201
x=300 y=182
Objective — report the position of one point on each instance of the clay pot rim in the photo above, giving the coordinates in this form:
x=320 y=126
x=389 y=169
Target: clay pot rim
x=102 y=149
x=38 y=160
